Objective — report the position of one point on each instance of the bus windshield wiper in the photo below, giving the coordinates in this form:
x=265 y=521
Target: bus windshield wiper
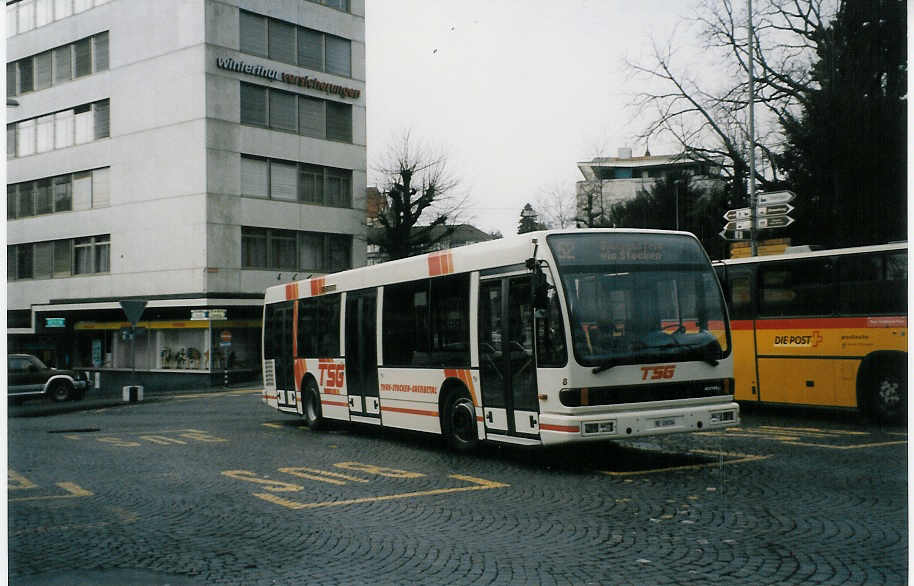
x=605 y=366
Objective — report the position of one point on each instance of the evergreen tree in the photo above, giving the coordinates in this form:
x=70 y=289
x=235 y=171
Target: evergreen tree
x=846 y=150
x=528 y=221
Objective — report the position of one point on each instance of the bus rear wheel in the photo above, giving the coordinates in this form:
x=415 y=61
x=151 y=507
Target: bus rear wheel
x=888 y=396
x=311 y=405
x=460 y=423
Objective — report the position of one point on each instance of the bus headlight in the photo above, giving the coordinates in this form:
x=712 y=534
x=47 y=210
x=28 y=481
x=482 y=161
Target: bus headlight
x=723 y=416
x=599 y=427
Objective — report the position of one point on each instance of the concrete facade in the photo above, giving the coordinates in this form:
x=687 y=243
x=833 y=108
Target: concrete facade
x=619 y=179
x=174 y=150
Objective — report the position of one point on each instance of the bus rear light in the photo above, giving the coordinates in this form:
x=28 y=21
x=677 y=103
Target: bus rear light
x=599 y=427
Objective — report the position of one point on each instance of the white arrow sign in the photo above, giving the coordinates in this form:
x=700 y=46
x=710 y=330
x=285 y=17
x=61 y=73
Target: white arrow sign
x=776 y=197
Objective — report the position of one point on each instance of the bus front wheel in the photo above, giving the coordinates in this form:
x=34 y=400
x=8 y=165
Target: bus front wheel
x=311 y=407
x=460 y=423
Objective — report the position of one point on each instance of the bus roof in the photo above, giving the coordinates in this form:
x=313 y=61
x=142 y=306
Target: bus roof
x=815 y=253
x=506 y=251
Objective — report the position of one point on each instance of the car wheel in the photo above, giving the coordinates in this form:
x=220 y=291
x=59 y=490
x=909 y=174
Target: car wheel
x=60 y=391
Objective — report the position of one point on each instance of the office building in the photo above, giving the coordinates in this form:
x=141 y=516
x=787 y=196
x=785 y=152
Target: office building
x=188 y=154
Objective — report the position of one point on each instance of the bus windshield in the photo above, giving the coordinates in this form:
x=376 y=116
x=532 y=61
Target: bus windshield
x=640 y=298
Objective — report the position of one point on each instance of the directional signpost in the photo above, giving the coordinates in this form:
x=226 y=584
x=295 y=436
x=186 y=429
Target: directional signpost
x=133 y=309
x=771 y=213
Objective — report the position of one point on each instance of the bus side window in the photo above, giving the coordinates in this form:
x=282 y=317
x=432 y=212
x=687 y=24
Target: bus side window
x=896 y=285
x=307 y=328
x=739 y=291
x=328 y=320
x=797 y=287
x=860 y=284
x=269 y=331
x=550 y=334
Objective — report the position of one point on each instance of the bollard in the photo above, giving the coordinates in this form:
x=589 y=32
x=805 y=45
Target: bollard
x=132 y=393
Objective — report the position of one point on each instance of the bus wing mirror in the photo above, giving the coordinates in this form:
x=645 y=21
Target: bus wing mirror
x=539 y=287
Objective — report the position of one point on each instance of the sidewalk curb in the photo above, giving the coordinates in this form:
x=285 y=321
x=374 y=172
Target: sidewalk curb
x=45 y=407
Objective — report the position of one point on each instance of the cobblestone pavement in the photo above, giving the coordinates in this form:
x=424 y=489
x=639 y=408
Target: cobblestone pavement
x=219 y=489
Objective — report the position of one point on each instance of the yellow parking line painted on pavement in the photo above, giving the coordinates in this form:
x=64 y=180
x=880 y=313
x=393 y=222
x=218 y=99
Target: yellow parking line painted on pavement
x=73 y=490
x=16 y=481
x=740 y=459
x=322 y=475
x=478 y=484
x=812 y=430
x=273 y=425
x=851 y=447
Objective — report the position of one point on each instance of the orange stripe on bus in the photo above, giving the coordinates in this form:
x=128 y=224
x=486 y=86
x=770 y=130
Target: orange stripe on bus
x=440 y=263
x=300 y=368
x=410 y=411
x=466 y=377
x=334 y=403
x=317 y=285
x=291 y=291
x=565 y=428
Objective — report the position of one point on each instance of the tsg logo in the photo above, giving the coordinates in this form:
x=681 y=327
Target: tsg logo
x=658 y=372
x=791 y=341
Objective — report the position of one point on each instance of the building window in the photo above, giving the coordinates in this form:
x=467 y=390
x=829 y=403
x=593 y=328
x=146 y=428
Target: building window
x=307 y=116
x=62 y=193
x=92 y=254
x=58 y=130
x=302 y=182
x=59 y=258
x=338 y=4
x=267 y=248
x=253 y=34
x=25 y=15
x=84 y=57
x=284 y=41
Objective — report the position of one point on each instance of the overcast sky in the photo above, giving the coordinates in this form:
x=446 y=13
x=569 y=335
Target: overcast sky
x=514 y=91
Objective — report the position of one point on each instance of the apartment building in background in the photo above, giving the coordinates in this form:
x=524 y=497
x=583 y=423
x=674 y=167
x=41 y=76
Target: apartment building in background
x=188 y=154
x=611 y=180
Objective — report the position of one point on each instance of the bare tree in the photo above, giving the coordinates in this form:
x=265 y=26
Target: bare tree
x=557 y=205
x=421 y=194
x=592 y=210
x=711 y=123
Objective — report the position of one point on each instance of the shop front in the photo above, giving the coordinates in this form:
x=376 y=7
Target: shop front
x=169 y=348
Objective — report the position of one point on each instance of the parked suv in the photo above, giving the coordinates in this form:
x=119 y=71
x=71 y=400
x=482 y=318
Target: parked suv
x=28 y=376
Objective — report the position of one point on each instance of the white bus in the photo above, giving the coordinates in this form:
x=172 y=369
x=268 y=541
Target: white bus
x=539 y=339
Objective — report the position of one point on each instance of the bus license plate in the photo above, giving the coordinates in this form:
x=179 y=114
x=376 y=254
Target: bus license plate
x=668 y=422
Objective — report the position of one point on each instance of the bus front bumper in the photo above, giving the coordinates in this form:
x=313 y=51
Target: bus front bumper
x=557 y=429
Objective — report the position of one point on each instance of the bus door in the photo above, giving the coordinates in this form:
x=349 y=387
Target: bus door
x=361 y=353
x=507 y=364
x=281 y=348
x=741 y=291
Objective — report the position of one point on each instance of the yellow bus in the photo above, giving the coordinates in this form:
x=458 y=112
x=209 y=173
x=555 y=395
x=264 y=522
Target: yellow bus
x=821 y=328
